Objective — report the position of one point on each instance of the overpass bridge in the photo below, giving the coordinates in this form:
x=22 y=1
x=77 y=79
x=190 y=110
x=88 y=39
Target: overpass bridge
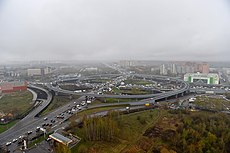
x=180 y=92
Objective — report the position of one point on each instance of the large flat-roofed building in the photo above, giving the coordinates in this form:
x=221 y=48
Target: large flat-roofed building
x=38 y=71
x=207 y=78
x=34 y=72
x=7 y=87
x=61 y=139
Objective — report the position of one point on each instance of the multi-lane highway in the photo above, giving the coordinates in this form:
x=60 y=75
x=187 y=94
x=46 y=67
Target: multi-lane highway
x=28 y=121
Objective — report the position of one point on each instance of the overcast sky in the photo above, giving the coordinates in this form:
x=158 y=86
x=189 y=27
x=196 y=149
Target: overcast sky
x=115 y=29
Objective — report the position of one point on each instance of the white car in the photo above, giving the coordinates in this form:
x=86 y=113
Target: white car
x=73 y=110
x=83 y=103
x=48 y=139
x=8 y=143
x=14 y=140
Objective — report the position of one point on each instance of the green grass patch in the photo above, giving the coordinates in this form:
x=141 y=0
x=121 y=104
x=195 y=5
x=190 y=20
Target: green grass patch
x=212 y=103
x=98 y=81
x=137 y=82
x=96 y=102
x=16 y=103
x=115 y=100
x=132 y=91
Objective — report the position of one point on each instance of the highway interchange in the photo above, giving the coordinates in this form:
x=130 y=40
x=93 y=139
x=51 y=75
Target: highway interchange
x=32 y=120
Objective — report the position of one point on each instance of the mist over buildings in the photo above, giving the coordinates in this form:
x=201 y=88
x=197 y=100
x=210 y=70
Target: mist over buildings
x=116 y=29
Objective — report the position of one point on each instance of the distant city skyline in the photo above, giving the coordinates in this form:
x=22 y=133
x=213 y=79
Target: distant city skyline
x=179 y=30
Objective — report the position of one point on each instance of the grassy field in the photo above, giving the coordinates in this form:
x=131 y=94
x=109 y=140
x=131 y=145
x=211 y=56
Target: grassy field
x=137 y=82
x=98 y=81
x=16 y=103
x=133 y=91
x=133 y=126
x=212 y=103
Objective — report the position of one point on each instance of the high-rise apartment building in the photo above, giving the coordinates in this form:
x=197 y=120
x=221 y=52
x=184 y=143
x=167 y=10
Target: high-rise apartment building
x=203 y=68
x=163 y=70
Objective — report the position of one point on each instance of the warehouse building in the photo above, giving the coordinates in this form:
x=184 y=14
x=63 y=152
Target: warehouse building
x=209 y=78
x=7 y=87
x=38 y=71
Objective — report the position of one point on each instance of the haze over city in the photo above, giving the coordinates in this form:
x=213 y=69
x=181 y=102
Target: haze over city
x=117 y=29
x=114 y=76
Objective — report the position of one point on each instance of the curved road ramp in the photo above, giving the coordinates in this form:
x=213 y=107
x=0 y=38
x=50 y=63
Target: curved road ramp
x=27 y=123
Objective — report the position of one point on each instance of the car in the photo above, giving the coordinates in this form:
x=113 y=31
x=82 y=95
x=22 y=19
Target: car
x=53 y=121
x=37 y=129
x=45 y=118
x=83 y=103
x=88 y=102
x=14 y=140
x=48 y=139
x=61 y=117
x=21 y=137
x=73 y=110
x=61 y=122
x=29 y=132
x=8 y=143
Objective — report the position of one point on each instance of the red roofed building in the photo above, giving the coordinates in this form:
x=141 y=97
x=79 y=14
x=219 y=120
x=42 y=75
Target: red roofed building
x=7 y=87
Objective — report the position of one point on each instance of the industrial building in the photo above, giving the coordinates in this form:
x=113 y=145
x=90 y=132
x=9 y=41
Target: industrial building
x=38 y=71
x=34 y=72
x=207 y=78
x=7 y=87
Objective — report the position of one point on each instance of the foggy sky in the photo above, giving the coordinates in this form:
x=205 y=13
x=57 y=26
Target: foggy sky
x=115 y=29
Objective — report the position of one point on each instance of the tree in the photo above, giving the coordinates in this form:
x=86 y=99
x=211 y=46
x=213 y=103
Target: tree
x=60 y=148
